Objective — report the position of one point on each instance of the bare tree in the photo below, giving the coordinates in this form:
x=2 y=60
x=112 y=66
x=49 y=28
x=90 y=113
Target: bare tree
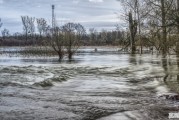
x=174 y=17
x=0 y=27
x=28 y=25
x=93 y=35
x=1 y=23
x=72 y=36
x=133 y=31
x=56 y=41
x=5 y=33
x=177 y=21
x=164 y=27
x=25 y=25
x=31 y=21
x=139 y=11
x=159 y=15
x=104 y=36
x=41 y=25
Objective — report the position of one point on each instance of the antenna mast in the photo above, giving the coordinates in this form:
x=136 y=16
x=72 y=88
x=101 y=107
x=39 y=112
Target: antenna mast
x=53 y=17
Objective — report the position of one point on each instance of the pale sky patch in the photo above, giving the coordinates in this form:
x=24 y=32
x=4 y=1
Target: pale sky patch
x=1 y=1
x=96 y=1
x=76 y=1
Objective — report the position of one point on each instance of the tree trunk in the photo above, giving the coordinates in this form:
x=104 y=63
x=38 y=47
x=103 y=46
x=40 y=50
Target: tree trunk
x=26 y=38
x=70 y=54
x=139 y=26
x=60 y=55
x=164 y=29
x=177 y=45
x=132 y=33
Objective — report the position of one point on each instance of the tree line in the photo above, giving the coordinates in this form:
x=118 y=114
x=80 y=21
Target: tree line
x=65 y=39
x=34 y=35
x=151 y=23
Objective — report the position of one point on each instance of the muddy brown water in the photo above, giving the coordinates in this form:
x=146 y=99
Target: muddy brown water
x=94 y=86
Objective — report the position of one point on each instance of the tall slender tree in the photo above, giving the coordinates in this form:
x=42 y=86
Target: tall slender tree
x=5 y=33
x=133 y=31
x=41 y=25
x=28 y=25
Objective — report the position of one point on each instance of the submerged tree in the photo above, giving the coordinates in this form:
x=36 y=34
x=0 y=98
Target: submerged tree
x=160 y=16
x=73 y=33
x=156 y=22
x=65 y=39
x=138 y=10
x=133 y=31
x=56 y=41
x=174 y=17
x=177 y=21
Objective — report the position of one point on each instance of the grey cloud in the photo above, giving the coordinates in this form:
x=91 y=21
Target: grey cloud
x=91 y=13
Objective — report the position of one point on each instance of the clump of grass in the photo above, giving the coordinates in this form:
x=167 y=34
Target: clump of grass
x=59 y=79
x=49 y=82
x=46 y=83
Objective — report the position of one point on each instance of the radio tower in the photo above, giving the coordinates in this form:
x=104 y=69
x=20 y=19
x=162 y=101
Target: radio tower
x=53 y=17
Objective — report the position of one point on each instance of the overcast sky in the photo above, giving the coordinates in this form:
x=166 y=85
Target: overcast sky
x=99 y=14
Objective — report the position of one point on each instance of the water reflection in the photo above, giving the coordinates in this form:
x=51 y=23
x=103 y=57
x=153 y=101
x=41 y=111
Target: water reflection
x=133 y=59
x=178 y=68
x=137 y=59
x=164 y=63
x=171 y=71
x=141 y=61
x=165 y=67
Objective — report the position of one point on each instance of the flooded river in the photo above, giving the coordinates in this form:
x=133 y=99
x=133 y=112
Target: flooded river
x=94 y=86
